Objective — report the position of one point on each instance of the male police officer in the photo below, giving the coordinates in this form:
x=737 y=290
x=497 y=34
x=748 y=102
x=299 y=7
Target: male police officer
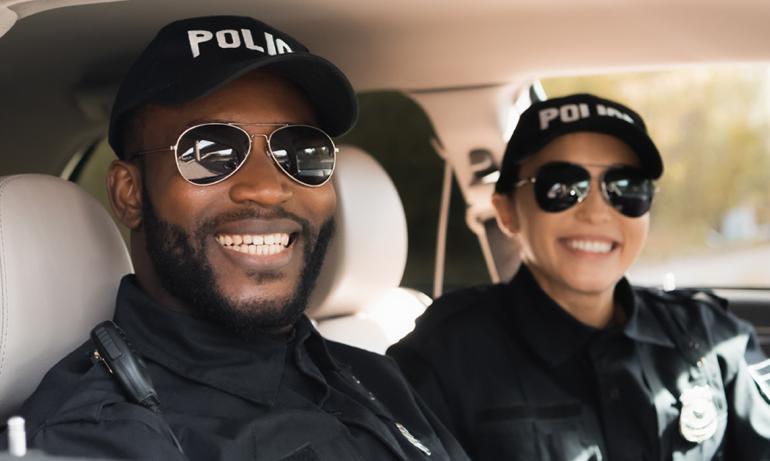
x=223 y=178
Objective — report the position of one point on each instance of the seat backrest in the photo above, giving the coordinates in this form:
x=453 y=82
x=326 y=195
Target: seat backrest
x=61 y=260
x=357 y=300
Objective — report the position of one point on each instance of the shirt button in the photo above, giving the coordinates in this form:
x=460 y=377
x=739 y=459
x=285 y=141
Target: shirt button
x=614 y=393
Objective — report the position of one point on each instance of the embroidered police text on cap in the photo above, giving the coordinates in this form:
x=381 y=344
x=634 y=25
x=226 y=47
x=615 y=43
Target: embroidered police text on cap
x=544 y=121
x=568 y=113
x=231 y=38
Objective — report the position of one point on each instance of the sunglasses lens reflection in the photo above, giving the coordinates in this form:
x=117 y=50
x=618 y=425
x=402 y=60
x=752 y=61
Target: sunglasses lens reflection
x=558 y=186
x=210 y=153
x=629 y=191
x=305 y=153
x=561 y=185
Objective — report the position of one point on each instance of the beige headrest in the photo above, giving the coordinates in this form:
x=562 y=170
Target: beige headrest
x=368 y=254
x=61 y=260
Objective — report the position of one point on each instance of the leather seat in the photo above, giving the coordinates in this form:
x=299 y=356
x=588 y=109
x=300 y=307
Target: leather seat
x=358 y=300
x=61 y=260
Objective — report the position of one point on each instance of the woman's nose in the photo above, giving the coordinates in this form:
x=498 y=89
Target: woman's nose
x=594 y=208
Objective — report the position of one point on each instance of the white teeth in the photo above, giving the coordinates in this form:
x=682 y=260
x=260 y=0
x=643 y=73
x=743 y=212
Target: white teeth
x=266 y=244
x=590 y=246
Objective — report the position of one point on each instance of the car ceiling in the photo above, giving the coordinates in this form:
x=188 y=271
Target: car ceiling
x=59 y=68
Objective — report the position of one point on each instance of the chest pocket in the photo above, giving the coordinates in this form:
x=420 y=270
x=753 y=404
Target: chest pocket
x=546 y=433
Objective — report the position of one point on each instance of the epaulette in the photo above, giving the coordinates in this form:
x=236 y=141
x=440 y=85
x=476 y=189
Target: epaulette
x=686 y=295
x=760 y=373
x=689 y=336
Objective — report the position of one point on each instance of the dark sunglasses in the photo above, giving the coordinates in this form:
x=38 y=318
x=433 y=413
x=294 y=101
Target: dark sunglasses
x=561 y=185
x=209 y=153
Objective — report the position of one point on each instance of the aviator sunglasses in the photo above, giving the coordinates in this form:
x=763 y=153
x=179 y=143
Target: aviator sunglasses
x=209 y=153
x=561 y=185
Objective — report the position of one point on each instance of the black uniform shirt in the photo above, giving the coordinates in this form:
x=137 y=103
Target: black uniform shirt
x=517 y=378
x=295 y=398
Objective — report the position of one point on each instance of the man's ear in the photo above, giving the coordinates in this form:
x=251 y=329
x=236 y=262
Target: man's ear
x=505 y=208
x=124 y=189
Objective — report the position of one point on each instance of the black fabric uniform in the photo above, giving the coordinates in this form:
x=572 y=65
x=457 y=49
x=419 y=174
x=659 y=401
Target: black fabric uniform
x=302 y=398
x=517 y=378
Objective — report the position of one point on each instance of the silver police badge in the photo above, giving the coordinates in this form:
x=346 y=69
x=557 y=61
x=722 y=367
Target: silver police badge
x=698 y=418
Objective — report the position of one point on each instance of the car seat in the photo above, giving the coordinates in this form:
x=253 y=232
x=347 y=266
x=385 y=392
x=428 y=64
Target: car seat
x=357 y=300
x=61 y=260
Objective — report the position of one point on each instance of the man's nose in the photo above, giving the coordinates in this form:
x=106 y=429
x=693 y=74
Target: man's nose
x=594 y=208
x=260 y=180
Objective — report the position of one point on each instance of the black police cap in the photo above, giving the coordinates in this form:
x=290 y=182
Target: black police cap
x=546 y=120
x=191 y=58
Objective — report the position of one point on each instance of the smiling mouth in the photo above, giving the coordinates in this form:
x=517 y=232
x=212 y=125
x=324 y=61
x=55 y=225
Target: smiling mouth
x=590 y=246
x=256 y=244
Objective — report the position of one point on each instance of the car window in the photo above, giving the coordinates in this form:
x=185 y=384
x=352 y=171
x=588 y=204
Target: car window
x=710 y=225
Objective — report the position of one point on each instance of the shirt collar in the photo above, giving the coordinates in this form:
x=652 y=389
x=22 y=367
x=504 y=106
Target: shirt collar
x=556 y=336
x=551 y=332
x=642 y=326
x=208 y=353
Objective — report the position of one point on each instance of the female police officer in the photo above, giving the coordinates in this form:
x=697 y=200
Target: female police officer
x=568 y=361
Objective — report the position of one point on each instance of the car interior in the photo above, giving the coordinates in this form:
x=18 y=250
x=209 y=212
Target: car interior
x=440 y=86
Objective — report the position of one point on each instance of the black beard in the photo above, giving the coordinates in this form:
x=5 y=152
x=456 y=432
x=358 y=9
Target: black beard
x=180 y=262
